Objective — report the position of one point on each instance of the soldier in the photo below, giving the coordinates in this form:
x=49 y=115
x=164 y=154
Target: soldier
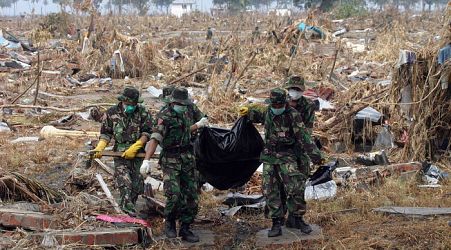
x=173 y=132
x=130 y=125
x=209 y=34
x=295 y=86
x=194 y=114
x=255 y=34
x=286 y=139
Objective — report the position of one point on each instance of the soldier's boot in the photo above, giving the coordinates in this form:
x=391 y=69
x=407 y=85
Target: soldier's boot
x=187 y=235
x=276 y=229
x=291 y=221
x=169 y=229
x=299 y=223
x=305 y=228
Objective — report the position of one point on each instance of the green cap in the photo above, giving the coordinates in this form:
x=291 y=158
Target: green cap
x=278 y=96
x=295 y=81
x=180 y=95
x=130 y=94
x=167 y=91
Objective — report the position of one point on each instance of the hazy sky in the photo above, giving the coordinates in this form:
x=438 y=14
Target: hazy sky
x=23 y=6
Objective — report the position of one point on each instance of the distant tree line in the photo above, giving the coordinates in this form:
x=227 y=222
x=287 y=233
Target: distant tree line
x=143 y=6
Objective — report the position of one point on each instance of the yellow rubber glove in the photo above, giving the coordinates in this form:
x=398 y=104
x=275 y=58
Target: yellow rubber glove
x=131 y=152
x=101 y=145
x=244 y=111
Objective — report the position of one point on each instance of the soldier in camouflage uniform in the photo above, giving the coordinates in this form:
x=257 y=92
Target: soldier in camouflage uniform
x=286 y=139
x=173 y=132
x=194 y=114
x=130 y=125
x=295 y=86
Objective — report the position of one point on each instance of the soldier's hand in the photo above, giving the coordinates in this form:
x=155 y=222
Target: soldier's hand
x=145 y=168
x=131 y=152
x=101 y=145
x=202 y=122
x=244 y=111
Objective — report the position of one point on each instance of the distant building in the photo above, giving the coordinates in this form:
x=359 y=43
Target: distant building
x=180 y=7
x=284 y=7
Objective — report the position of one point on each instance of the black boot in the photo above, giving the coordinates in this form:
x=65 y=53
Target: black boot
x=305 y=228
x=299 y=223
x=291 y=221
x=276 y=229
x=187 y=235
x=169 y=229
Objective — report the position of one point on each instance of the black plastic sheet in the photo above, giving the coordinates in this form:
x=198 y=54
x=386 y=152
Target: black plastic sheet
x=324 y=173
x=228 y=158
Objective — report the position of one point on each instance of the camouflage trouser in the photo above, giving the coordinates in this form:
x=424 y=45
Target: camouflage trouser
x=129 y=182
x=280 y=179
x=180 y=187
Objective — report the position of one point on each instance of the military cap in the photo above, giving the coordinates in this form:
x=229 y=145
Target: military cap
x=180 y=95
x=167 y=91
x=130 y=94
x=295 y=81
x=277 y=96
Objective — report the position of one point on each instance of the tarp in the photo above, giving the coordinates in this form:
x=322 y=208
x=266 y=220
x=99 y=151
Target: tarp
x=228 y=158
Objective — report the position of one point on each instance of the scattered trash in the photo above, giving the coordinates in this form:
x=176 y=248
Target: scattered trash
x=4 y=127
x=237 y=199
x=433 y=174
x=339 y=32
x=154 y=92
x=368 y=113
x=122 y=219
x=375 y=158
x=320 y=191
x=406 y=57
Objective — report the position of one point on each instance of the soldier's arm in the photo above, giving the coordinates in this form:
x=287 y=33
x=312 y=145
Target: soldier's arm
x=158 y=133
x=304 y=139
x=310 y=116
x=197 y=114
x=106 y=129
x=145 y=126
x=257 y=113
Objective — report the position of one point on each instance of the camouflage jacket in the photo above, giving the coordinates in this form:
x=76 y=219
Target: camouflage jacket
x=172 y=130
x=286 y=138
x=307 y=110
x=125 y=129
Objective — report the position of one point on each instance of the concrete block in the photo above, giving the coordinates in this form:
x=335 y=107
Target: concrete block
x=98 y=237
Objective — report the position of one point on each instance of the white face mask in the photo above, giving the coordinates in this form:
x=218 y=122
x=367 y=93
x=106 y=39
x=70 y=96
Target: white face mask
x=294 y=94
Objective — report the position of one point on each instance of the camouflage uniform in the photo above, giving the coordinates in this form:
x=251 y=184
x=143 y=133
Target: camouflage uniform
x=193 y=115
x=209 y=34
x=286 y=139
x=126 y=129
x=303 y=105
x=172 y=131
x=306 y=109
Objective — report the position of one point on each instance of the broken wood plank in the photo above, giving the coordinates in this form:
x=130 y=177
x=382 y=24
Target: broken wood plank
x=415 y=211
x=108 y=194
x=104 y=166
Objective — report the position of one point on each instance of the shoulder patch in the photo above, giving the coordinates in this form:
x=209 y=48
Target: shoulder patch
x=160 y=121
